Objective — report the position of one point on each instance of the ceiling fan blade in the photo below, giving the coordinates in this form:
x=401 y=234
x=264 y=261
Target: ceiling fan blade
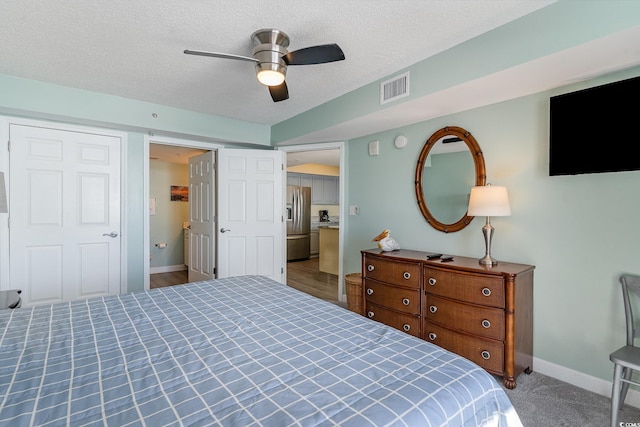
x=314 y=55
x=221 y=55
x=279 y=93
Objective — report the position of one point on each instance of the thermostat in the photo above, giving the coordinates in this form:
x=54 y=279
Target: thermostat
x=374 y=148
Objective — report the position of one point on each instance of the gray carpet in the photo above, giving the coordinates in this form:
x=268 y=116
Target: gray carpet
x=543 y=401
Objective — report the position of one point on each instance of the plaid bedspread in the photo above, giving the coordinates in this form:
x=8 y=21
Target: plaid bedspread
x=242 y=351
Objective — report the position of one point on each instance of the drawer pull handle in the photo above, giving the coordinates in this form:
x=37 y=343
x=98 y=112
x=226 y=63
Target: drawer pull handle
x=486 y=324
x=433 y=308
x=406 y=301
x=406 y=327
x=370 y=314
x=369 y=291
x=370 y=267
x=432 y=281
x=485 y=355
x=406 y=275
x=432 y=336
x=486 y=292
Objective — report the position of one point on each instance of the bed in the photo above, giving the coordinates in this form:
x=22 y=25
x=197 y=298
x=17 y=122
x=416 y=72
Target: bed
x=241 y=351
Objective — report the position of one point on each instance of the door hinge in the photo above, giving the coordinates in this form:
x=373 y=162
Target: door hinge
x=9 y=145
x=281 y=270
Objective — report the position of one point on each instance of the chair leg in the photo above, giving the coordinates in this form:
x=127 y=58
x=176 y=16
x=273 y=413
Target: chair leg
x=615 y=394
x=626 y=374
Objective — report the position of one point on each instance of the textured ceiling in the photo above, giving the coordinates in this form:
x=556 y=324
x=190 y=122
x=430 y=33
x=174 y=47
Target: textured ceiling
x=134 y=49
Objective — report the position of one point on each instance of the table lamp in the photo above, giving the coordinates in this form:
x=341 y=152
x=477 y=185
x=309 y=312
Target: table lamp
x=488 y=201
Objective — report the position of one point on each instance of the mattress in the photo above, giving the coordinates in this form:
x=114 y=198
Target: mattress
x=241 y=351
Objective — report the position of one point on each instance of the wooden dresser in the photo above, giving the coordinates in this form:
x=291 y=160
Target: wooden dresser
x=482 y=313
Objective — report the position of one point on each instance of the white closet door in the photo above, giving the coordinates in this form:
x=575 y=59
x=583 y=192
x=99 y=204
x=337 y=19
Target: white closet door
x=64 y=214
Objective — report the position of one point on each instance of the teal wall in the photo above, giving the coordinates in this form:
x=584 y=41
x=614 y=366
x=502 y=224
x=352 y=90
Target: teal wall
x=134 y=206
x=166 y=225
x=580 y=231
x=35 y=99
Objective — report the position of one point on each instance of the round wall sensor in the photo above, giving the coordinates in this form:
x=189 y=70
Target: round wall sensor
x=400 y=141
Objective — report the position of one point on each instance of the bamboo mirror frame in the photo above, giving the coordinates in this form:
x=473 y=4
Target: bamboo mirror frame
x=479 y=168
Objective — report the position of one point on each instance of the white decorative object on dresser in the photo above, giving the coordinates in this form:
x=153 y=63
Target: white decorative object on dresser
x=480 y=312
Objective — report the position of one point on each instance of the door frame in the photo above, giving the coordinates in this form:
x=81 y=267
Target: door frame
x=152 y=139
x=5 y=122
x=342 y=208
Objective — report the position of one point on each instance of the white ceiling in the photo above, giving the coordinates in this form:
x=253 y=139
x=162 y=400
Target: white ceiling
x=134 y=49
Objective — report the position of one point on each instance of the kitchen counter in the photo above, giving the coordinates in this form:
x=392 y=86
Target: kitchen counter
x=329 y=249
x=318 y=225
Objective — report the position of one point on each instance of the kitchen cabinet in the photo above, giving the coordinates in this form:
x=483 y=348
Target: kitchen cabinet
x=324 y=188
x=315 y=242
x=293 y=179
x=329 y=250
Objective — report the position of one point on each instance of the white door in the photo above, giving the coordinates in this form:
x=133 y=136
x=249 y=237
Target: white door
x=65 y=214
x=250 y=213
x=202 y=217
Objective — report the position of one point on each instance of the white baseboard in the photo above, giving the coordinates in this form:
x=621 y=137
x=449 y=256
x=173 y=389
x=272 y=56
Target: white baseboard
x=582 y=380
x=167 y=268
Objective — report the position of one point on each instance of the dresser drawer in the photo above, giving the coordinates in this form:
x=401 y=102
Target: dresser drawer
x=487 y=353
x=484 y=290
x=404 y=322
x=476 y=320
x=400 y=299
x=394 y=272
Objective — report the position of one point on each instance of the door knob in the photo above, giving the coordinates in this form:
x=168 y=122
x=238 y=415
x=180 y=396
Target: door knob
x=112 y=234
x=224 y=230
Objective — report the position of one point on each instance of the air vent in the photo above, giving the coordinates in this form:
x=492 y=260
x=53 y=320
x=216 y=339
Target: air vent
x=395 y=88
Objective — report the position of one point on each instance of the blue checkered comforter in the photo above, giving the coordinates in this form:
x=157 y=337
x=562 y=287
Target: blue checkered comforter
x=242 y=351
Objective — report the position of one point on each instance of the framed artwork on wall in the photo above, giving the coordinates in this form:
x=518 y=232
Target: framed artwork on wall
x=179 y=193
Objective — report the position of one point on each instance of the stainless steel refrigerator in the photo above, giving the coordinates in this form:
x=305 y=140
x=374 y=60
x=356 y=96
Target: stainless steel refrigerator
x=298 y=222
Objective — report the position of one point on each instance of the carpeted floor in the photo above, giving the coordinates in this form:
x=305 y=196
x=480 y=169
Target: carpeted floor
x=543 y=401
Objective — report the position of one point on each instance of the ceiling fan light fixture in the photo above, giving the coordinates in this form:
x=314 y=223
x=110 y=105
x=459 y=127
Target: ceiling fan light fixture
x=270 y=76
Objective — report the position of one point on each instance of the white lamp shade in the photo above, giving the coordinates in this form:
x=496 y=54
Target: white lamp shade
x=489 y=200
x=3 y=195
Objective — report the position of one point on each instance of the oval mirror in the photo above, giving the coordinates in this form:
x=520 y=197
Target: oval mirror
x=450 y=163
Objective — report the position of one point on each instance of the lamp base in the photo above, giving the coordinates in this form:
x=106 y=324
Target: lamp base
x=487 y=232
x=487 y=260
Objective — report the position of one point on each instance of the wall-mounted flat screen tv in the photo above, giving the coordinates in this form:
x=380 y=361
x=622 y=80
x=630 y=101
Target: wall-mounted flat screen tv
x=594 y=130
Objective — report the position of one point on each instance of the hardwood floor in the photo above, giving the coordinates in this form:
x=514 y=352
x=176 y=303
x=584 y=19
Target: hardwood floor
x=306 y=277
x=302 y=275
x=160 y=280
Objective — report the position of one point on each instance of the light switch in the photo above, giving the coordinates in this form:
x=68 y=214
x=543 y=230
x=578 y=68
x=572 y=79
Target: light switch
x=354 y=210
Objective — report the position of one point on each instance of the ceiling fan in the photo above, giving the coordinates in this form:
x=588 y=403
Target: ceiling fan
x=271 y=58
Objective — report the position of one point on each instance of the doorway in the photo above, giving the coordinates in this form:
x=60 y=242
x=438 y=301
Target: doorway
x=321 y=167
x=164 y=232
x=249 y=221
